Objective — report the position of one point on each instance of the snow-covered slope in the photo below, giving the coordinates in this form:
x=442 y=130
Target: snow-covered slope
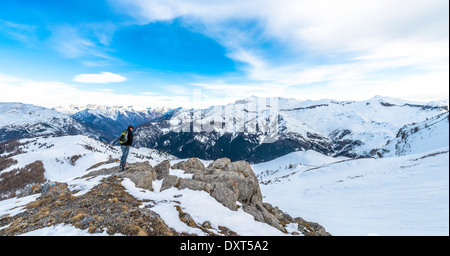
x=419 y=137
x=402 y=195
x=19 y=120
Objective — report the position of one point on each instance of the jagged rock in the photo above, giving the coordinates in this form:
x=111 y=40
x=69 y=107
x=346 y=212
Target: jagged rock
x=168 y=182
x=280 y=215
x=261 y=214
x=162 y=169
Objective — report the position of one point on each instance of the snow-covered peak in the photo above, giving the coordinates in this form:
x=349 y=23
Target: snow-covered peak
x=17 y=113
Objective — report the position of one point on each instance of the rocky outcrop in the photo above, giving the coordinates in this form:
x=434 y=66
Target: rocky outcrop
x=162 y=169
x=235 y=185
x=108 y=207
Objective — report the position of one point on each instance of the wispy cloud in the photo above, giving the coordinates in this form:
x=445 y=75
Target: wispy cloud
x=336 y=48
x=88 y=43
x=19 y=32
x=102 y=78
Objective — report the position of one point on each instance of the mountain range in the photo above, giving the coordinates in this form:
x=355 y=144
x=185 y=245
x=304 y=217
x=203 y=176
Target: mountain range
x=356 y=167
x=261 y=129
x=253 y=129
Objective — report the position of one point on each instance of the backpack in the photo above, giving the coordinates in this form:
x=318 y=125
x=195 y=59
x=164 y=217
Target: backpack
x=123 y=137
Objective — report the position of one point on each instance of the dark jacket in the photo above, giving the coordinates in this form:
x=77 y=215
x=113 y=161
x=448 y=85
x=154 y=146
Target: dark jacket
x=130 y=138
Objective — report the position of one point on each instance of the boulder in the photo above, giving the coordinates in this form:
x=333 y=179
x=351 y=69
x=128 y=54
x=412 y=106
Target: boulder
x=180 y=165
x=239 y=175
x=194 y=164
x=162 y=169
x=168 y=182
x=191 y=184
x=142 y=174
x=224 y=193
x=190 y=166
x=220 y=163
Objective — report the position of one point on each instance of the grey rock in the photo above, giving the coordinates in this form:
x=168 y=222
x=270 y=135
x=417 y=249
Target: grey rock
x=168 y=182
x=261 y=214
x=190 y=165
x=194 y=164
x=220 y=163
x=280 y=215
x=162 y=169
x=142 y=174
x=224 y=193
x=319 y=229
x=191 y=184
x=180 y=165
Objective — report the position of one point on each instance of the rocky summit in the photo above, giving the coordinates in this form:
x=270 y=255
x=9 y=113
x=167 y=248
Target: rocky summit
x=111 y=207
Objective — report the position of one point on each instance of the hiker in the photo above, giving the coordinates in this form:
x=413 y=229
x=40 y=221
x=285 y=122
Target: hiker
x=126 y=140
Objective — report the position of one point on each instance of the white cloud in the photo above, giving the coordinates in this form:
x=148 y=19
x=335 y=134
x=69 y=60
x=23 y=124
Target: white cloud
x=364 y=45
x=149 y=93
x=102 y=78
x=53 y=93
x=321 y=24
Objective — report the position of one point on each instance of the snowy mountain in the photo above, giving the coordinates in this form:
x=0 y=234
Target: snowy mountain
x=306 y=162
x=72 y=185
x=19 y=120
x=112 y=120
x=261 y=129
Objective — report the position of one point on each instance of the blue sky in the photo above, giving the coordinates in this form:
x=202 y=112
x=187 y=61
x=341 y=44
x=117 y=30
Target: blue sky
x=164 y=53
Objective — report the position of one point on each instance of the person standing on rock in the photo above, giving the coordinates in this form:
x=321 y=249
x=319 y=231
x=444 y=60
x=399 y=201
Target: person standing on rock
x=126 y=140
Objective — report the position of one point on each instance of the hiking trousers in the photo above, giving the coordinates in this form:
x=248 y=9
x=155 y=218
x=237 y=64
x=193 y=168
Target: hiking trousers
x=125 y=151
